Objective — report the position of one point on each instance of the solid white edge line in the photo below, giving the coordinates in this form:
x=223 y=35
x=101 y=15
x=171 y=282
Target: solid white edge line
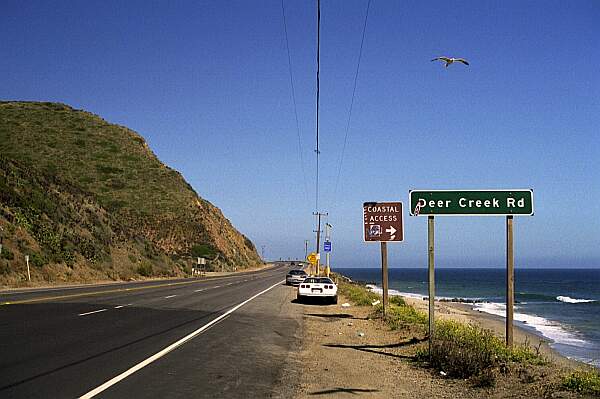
x=169 y=348
x=95 y=311
x=170 y=296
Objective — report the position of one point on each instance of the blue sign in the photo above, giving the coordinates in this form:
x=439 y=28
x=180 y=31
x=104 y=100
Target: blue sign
x=327 y=246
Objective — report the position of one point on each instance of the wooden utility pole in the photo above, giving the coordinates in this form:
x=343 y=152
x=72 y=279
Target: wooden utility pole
x=510 y=280
x=305 y=249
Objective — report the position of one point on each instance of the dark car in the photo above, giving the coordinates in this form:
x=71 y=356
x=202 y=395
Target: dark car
x=295 y=277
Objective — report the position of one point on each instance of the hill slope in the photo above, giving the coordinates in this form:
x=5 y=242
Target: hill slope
x=82 y=159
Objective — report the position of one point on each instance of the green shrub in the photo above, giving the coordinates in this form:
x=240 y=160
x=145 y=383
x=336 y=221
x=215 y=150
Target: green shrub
x=405 y=315
x=359 y=295
x=397 y=300
x=466 y=350
x=583 y=382
x=37 y=260
x=7 y=254
x=145 y=269
x=203 y=251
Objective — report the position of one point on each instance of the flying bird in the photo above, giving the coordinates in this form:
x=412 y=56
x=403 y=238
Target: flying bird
x=449 y=61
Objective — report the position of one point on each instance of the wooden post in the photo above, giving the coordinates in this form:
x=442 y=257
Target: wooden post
x=510 y=280
x=431 y=252
x=384 y=276
x=28 y=273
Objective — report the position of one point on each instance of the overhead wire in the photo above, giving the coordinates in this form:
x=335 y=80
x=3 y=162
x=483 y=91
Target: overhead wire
x=287 y=45
x=317 y=110
x=362 y=41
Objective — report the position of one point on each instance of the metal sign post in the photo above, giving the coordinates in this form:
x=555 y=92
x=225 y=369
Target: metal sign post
x=383 y=222
x=510 y=281
x=431 y=263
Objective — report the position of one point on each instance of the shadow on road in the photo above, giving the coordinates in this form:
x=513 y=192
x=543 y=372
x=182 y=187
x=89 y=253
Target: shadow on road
x=373 y=348
x=335 y=316
x=353 y=391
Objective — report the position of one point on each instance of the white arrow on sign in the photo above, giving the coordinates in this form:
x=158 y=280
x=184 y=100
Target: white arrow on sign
x=392 y=232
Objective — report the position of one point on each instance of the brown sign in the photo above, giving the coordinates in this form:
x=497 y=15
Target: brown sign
x=383 y=221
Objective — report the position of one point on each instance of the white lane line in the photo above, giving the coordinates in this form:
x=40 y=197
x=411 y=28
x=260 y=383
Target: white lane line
x=200 y=290
x=229 y=283
x=122 y=306
x=171 y=347
x=216 y=286
x=95 y=311
x=170 y=296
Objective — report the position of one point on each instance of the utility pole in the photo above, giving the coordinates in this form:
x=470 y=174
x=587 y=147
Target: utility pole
x=262 y=252
x=318 y=231
x=305 y=249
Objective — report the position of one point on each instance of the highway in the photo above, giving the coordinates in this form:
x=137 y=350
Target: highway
x=211 y=337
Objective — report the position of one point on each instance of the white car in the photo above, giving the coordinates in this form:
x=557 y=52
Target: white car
x=317 y=287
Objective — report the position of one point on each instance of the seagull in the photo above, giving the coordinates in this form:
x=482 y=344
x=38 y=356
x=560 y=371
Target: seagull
x=449 y=61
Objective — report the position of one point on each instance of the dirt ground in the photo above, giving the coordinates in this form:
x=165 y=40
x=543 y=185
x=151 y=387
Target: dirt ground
x=346 y=354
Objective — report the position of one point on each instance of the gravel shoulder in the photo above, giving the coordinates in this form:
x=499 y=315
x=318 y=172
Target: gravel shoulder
x=346 y=353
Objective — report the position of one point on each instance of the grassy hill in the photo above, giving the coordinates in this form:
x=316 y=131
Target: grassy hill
x=70 y=175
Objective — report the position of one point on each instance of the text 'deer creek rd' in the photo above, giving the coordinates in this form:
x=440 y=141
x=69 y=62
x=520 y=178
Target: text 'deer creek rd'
x=473 y=203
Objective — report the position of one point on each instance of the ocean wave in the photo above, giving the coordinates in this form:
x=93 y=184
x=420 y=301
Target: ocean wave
x=567 y=299
x=548 y=328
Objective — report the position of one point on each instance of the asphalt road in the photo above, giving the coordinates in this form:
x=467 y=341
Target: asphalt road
x=166 y=339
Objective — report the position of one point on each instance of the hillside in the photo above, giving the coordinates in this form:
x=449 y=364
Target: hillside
x=71 y=176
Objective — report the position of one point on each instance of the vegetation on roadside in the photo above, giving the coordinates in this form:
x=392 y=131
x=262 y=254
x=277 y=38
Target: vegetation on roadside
x=465 y=350
x=459 y=350
x=358 y=294
x=587 y=382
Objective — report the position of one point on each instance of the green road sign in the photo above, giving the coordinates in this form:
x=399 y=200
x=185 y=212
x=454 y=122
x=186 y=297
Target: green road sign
x=471 y=202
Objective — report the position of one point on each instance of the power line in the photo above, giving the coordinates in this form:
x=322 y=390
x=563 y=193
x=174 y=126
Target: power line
x=287 y=45
x=317 y=119
x=337 y=180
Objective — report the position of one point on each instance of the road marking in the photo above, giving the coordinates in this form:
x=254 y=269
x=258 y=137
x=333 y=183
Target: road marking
x=60 y=297
x=95 y=311
x=170 y=296
x=171 y=347
x=200 y=290
x=228 y=283
x=216 y=286
x=122 y=306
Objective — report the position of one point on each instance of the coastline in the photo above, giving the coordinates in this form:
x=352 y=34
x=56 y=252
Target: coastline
x=464 y=312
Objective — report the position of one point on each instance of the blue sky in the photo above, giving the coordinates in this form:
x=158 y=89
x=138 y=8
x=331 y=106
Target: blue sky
x=207 y=83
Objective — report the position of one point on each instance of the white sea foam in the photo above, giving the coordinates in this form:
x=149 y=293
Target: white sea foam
x=379 y=291
x=552 y=330
x=549 y=329
x=567 y=299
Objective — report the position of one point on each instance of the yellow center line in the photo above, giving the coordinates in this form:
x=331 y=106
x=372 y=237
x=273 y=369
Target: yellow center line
x=59 y=297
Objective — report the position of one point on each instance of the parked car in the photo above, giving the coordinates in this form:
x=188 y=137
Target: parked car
x=318 y=287
x=295 y=277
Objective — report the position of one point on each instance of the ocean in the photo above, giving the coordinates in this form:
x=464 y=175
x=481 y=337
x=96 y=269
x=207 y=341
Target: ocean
x=560 y=305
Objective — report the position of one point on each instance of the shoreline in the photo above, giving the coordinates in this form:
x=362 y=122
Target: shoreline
x=464 y=312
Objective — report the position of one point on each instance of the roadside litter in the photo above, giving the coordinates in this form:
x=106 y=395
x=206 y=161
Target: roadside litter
x=345 y=305
x=361 y=334
x=375 y=303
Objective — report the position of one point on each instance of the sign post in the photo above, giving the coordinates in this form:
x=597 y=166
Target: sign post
x=431 y=270
x=28 y=273
x=383 y=222
x=473 y=203
x=510 y=281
